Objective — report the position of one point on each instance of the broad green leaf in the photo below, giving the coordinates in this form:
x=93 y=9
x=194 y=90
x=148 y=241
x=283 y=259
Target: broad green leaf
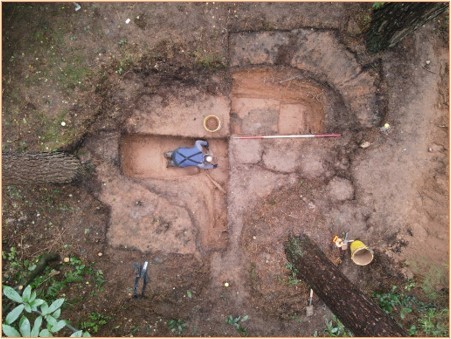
x=245 y=318
x=45 y=309
x=58 y=326
x=45 y=333
x=32 y=297
x=189 y=294
x=14 y=314
x=36 y=326
x=25 y=327
x=86 y=335
x=28 y=308
x=11 y=294
x=77 y=334
x=10 y=331
x=35 y=303
x=26 y=294
x=50 y=320
x=55 y=305
x=57 y=313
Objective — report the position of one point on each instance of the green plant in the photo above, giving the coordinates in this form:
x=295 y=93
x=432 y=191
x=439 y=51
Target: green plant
x=207 y=60
x=292 y=278
x=435 y=323
x=426 y=318
x=74 y=272
x=334 y=328
x=390 y=301
x=236 y=322
x=378 y=5
x=95 y=322
x=176 y=326
x=41 y=311
x=122 y=42
x=15 y=269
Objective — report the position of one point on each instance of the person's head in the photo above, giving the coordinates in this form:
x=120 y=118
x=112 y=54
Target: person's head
x=209 y=159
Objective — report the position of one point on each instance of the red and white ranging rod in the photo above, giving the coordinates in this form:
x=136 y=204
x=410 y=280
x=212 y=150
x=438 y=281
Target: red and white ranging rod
x=288 y=136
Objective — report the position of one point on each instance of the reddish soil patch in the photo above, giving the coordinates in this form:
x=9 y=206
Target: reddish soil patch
x=271 y=101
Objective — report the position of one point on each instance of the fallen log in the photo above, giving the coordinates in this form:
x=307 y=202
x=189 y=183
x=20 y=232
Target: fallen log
x=355 y=310
x=39 y=168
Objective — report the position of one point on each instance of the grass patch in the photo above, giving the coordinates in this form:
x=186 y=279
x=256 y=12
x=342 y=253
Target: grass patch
x=208 y=60
x=52 y=134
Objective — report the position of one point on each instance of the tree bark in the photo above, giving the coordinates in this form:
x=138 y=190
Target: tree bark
x=393 y=21
x=355 y=310
x=39 y=168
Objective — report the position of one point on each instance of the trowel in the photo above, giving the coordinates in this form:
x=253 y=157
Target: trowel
x=309 y=308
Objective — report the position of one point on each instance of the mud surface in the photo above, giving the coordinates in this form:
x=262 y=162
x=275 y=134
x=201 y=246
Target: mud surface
x=214 y=239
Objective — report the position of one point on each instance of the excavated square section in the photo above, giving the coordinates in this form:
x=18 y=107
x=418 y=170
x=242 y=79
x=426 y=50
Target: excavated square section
x=272 y=101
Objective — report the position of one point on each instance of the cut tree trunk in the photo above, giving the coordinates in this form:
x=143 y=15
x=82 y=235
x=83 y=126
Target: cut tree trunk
x=355 y=310
x=393 y=21
x=39 y=168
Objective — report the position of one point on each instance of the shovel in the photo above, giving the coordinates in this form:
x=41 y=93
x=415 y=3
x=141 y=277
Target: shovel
x=309 y=308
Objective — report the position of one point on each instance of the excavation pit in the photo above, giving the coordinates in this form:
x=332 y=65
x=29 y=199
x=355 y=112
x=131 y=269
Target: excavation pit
x=278 y=101
x=167 y=210
x=142 y=157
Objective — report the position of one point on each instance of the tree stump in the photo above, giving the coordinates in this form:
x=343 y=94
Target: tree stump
x=355 y=310
x=39 y=168
x=393 y=21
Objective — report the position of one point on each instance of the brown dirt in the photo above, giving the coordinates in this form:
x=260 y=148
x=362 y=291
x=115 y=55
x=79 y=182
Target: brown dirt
x=129 y=92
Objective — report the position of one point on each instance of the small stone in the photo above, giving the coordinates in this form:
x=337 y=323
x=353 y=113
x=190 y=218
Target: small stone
x=127 y=21
x=66 y=259
x=428 y=62
x=385 y=128
x=365 y=144
x=254 y=237
x=100 y=254
x=63 y=123
x=226 y=284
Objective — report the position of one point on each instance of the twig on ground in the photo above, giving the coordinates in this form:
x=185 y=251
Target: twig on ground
x=429 y=70
x=215 y=183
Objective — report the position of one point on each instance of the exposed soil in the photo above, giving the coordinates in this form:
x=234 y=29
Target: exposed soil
x=128 y=92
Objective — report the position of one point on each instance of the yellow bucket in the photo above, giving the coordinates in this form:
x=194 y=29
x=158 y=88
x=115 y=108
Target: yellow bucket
x=360 y=253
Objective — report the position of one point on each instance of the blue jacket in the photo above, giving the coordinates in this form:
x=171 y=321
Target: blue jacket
x=194 y=156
